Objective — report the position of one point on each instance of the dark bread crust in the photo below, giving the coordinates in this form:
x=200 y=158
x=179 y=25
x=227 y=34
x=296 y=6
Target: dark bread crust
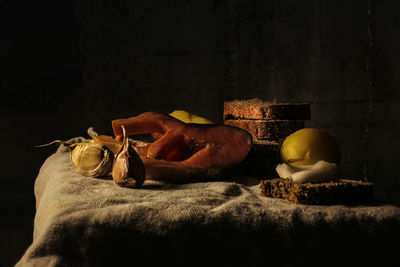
x=267 y=129
x=258 y=109
x=343 y=191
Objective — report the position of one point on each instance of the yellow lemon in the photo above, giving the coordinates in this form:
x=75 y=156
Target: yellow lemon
x=187 y=117
x=308 y=146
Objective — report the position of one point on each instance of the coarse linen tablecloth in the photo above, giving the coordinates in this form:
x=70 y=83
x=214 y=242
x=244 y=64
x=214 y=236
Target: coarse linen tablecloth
x=83 y=221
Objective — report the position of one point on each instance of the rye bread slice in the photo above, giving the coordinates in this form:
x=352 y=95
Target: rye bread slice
x=257 y=109
x=267 y=129
x=342 y=191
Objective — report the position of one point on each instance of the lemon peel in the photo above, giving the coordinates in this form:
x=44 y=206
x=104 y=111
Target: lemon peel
x=318 y=172
x=187 y=117
x=308 y=146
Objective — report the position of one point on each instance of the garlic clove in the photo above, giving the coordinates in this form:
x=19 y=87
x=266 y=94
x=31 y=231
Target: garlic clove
x=128 y=169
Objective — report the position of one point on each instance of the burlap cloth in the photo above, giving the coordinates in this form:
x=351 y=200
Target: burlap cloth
x=82 y=221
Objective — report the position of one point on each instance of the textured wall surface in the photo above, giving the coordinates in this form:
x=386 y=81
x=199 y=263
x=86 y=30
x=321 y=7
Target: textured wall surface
x=69 y=65
x=340 y=56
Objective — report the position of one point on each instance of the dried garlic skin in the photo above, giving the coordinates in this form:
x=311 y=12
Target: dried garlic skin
x=91 y=158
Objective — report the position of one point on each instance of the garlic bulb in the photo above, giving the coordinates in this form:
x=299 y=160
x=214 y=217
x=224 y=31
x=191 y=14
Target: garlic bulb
x=91 y=158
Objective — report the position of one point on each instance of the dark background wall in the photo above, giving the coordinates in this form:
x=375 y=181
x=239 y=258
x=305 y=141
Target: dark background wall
x=69 y=65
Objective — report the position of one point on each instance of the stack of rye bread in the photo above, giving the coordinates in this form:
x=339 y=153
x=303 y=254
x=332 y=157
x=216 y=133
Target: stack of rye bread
x=268 y=123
